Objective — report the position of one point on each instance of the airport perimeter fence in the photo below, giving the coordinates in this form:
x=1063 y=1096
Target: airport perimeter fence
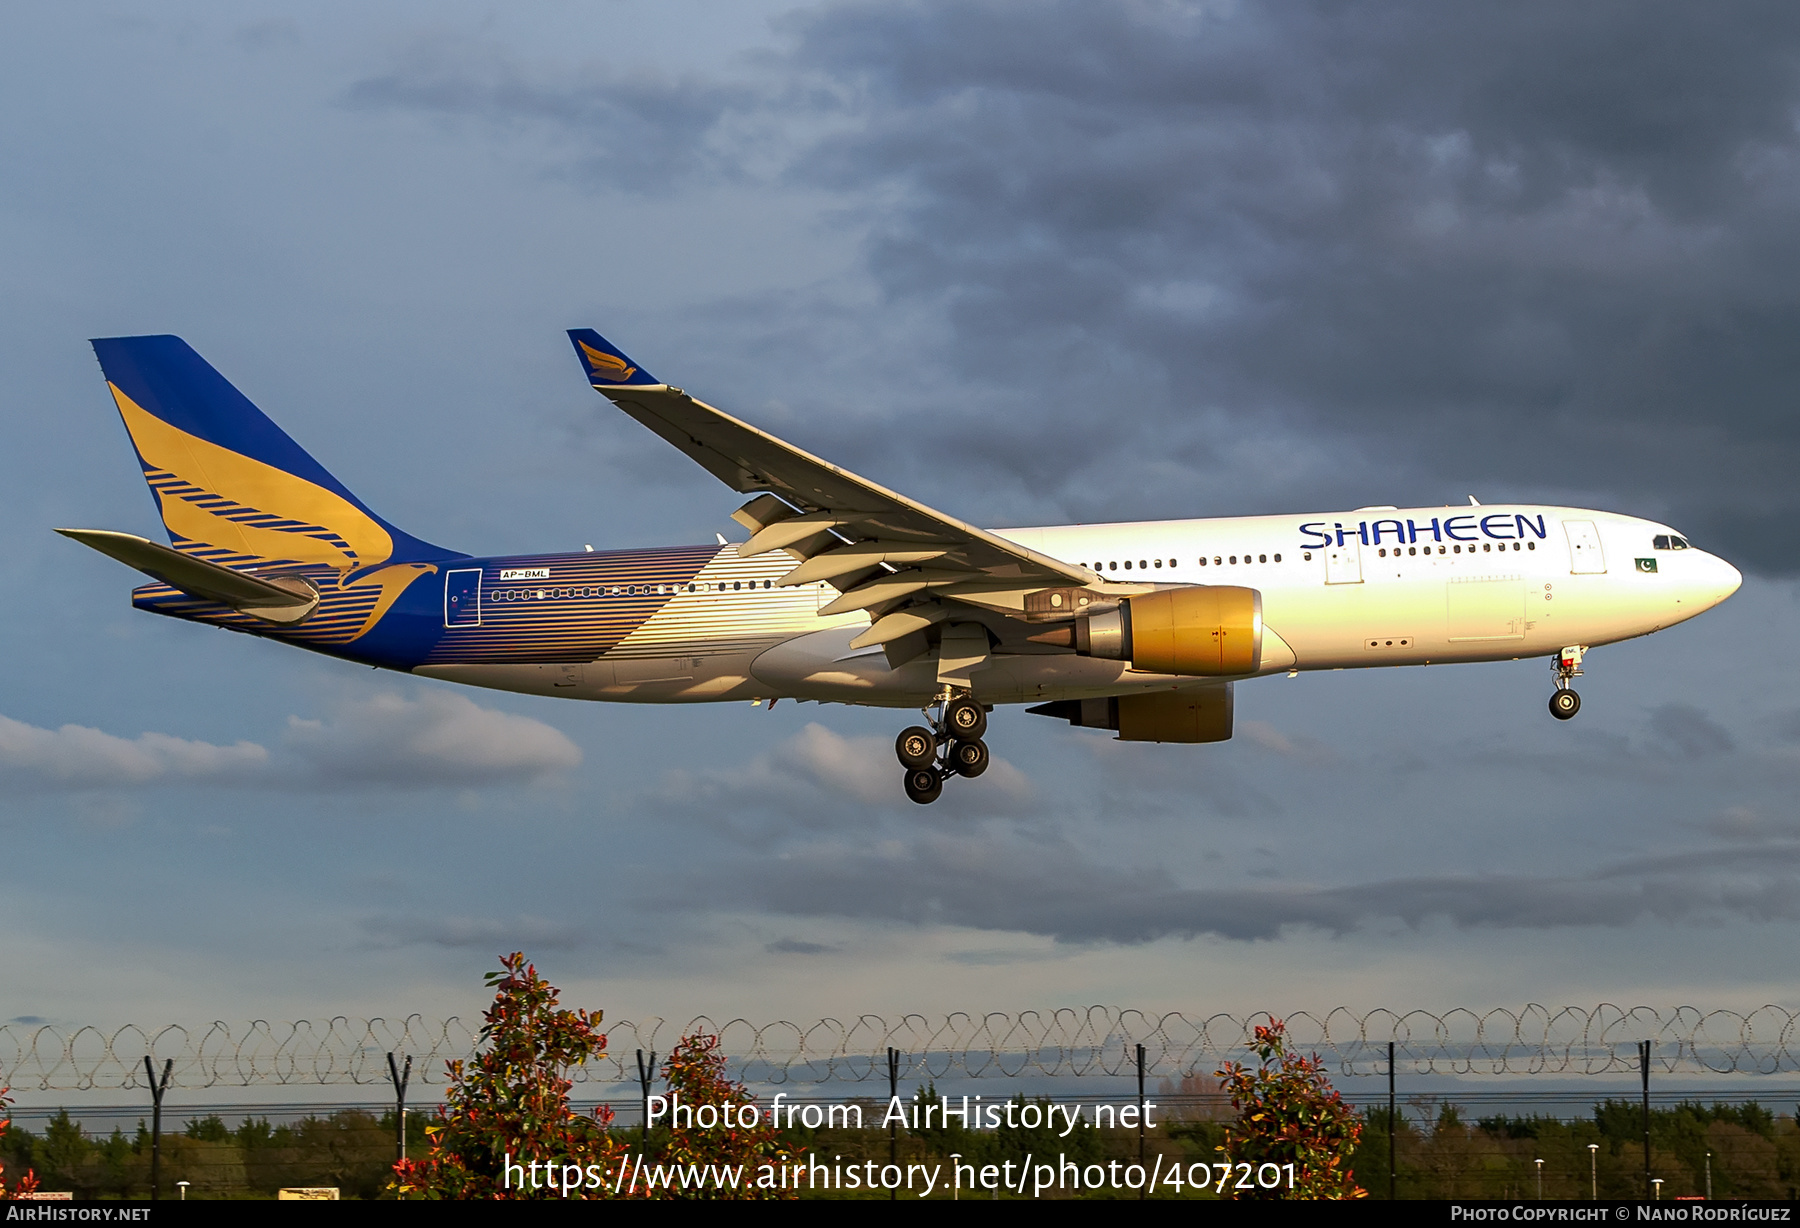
x=1461 y=1077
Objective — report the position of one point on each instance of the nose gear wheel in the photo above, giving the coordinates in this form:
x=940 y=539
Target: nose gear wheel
x=1565 y=666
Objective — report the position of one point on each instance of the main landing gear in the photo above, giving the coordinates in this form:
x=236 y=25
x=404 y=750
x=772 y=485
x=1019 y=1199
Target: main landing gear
x=951 y=747
x=1564 y=702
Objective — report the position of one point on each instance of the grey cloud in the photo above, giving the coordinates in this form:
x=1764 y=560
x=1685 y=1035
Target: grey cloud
x=1689 y=732
x=1450 y=241
x=1786 y=726
x=635 y=132
x=1747 y=823
x=794 y=946
x=1050 y=888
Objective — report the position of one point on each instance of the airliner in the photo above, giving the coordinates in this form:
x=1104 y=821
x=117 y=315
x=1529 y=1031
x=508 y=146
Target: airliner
x=847 y=592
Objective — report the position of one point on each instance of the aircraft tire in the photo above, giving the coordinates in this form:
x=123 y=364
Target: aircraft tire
x=924 y=785
x=916 y=747
x=969 y=758
x=1564 y=704
x=965 y=719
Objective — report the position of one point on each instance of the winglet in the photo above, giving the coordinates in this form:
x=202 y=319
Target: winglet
x=606 y=365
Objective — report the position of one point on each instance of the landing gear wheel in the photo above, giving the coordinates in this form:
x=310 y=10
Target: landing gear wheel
x=1564 y=704
x=916 y=747
x=969 y=758
x=923 y=785
x=965 y=719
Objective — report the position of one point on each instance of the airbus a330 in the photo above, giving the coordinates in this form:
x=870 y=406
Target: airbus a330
x=847 y=592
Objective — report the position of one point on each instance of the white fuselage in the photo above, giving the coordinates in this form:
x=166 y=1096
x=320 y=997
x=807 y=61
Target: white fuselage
x=1376 y=586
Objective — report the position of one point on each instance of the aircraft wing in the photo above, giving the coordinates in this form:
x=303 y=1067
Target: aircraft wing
x=885 y=553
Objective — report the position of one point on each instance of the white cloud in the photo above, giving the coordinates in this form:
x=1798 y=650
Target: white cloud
x=77 y=757
x=436 y=738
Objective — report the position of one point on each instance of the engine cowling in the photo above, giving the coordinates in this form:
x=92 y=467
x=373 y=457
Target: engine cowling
x=1206 y=630
x=1197 y=714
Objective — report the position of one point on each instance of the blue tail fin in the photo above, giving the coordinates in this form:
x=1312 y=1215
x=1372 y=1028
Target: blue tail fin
x=227 y=480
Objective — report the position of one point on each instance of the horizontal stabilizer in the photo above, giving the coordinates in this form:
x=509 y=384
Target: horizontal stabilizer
x=283 y=599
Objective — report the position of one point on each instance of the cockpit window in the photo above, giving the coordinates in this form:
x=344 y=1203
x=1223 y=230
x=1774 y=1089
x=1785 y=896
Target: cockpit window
x=1668 y=542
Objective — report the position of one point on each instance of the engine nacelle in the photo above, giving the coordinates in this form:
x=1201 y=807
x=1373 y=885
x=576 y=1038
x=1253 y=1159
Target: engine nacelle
x=1201 y=714
x=1209 y=630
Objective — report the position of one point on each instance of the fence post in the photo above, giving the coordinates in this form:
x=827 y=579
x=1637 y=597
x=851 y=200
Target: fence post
x=1393 y=1118
x=893 y=1127
x=1644 y=1065
x=645 y=1071
x=400 y=1081
x=1143 y=1192
x=156 y=1096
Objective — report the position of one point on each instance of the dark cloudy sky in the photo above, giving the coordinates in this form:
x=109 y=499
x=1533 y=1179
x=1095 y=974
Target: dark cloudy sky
x=1027 y=262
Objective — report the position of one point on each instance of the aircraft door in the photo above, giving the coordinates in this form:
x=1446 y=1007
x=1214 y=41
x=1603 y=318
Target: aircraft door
x=462 y=598
x=1585 y=555
x=1343 y=564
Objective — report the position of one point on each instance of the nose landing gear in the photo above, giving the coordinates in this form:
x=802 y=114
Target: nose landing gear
x=951 y=747
x=1564 y=702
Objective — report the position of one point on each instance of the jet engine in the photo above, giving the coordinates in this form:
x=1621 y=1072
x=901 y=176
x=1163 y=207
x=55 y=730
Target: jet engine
x=1207 y=630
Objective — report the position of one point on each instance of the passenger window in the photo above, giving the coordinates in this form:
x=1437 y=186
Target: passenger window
x=1262 y=558
x=1159 y=562
x=1531 y=545
x=1306 y=556
x=1127 y=564
x=1234 y=560
x=1487 y=547
x=1278 y=558
x=1383 y=553
x=1202 y=562
x=1142 y=564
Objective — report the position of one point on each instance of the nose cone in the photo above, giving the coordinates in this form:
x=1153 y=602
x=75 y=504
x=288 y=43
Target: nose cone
x=1718 y=580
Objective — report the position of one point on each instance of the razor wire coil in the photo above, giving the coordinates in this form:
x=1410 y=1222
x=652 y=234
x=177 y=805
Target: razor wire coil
x=1093 y=1041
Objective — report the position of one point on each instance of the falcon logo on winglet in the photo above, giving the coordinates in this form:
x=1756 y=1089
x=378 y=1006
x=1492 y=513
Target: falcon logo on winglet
x=605 y=366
